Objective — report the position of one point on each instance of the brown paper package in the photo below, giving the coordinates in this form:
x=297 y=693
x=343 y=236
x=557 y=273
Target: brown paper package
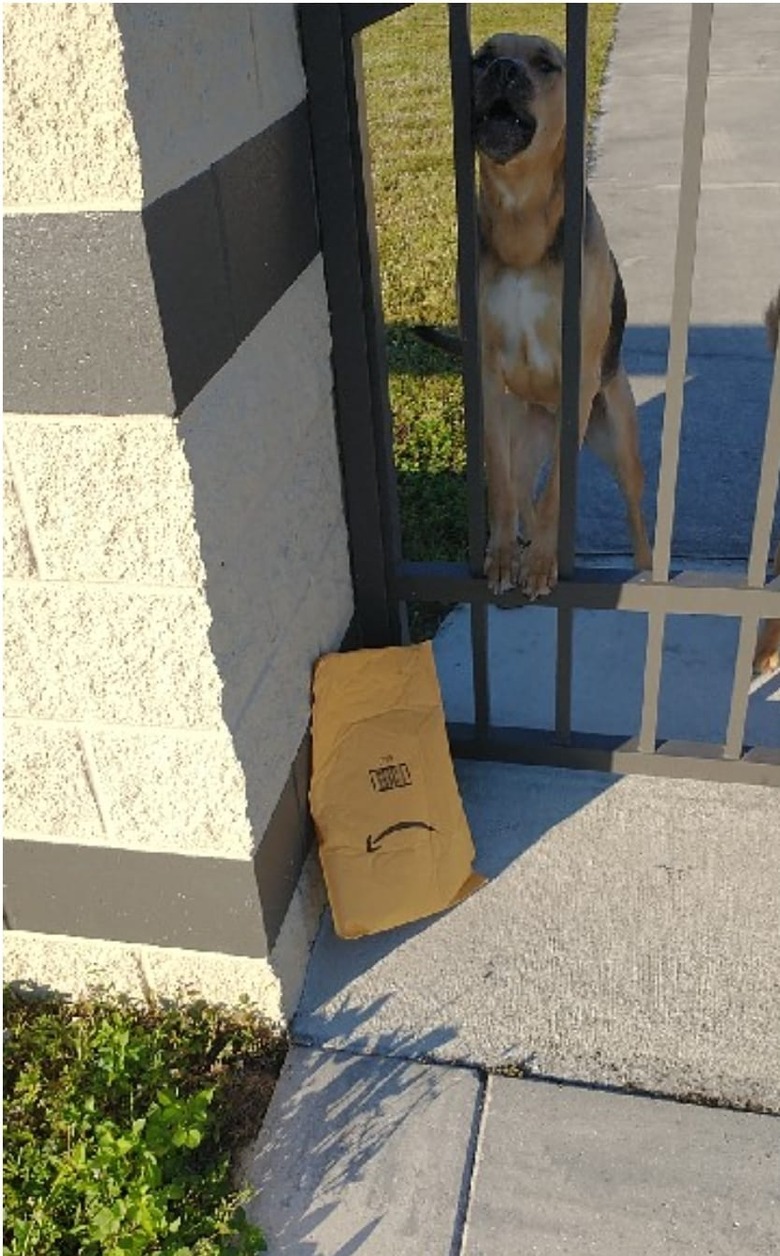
x=393 y=838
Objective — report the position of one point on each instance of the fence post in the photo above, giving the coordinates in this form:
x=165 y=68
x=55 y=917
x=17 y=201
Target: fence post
x=331 y=57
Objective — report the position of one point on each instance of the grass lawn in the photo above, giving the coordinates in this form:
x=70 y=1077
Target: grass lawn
x=407 y=93
x=121 y=1124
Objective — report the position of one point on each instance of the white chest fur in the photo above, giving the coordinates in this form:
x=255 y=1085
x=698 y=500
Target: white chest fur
x=520 y=306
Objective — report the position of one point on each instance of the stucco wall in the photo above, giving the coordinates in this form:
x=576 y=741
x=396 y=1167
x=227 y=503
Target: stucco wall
x=175 y=553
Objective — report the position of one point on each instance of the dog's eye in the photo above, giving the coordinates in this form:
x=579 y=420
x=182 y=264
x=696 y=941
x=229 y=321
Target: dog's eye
x=543 y=64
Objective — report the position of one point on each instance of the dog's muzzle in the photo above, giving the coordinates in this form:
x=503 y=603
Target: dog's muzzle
x=503 y=122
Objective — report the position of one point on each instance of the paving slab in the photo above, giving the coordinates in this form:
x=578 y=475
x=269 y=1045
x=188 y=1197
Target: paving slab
x=726 y=401
x=639 y=133
x=363 y=1155
x=652 y=39
x=628 y=936
x=561 y=1170
x=635 y=182
x=736 y=271
x=638 y=152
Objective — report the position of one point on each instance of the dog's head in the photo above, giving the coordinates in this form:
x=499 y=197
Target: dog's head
x=519 y=100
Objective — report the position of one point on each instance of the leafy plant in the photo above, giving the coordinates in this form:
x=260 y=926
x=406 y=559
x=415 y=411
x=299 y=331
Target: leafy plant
x=121 y=1124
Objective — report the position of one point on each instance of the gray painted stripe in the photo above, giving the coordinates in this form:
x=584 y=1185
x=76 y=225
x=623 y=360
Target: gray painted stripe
x=81 y=326
x=161 y=899
x=228 y=906
x=285 y=845
x=268 y=213
x=122 y=313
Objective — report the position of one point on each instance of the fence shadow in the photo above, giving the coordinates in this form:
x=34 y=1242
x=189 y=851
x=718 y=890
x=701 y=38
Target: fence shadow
x=726 y=401
x=326 y=1139
x=504 y=832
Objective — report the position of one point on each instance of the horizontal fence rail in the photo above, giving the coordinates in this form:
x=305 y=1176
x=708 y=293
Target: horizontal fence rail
x=658 y=593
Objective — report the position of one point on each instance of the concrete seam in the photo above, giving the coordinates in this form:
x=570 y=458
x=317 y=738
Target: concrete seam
x=211 y=731
x=93 y=776
x=27 y=512
x=92 y=419
x=127 y=586
x=473 y=1150
x=255 y=61
x=257 y=685
x=23 y=208
x=749 y=186
x=11 y=834
x=310 y=1042
x=223 y=245
x=145 y=979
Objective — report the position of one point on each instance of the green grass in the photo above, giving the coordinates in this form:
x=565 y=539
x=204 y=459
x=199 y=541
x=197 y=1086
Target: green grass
x=409 y=116
x=121 y=1125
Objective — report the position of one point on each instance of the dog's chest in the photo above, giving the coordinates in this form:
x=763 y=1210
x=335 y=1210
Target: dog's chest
x=524 y=316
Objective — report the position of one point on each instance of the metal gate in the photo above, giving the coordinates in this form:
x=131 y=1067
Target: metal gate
x=384 y=582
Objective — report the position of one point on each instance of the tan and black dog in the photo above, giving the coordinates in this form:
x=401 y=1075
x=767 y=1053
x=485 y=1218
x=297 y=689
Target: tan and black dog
x=767 y=655
x=519 y=113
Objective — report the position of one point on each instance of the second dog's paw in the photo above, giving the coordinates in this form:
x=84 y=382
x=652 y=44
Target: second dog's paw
x=767 y=656
x=539 y=571
x=502 y=567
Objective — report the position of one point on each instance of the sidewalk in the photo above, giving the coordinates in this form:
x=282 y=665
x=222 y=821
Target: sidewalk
x=381 y=1156
x=468 y=1086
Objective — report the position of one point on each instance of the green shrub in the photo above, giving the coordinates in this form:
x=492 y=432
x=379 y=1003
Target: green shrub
x=121 y=1124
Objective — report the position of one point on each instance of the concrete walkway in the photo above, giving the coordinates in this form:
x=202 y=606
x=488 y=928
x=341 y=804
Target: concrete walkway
x=362 y=1154
x=473 y=1085
x=737 y=271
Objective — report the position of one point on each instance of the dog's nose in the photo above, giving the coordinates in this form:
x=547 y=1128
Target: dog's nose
x=508 y=73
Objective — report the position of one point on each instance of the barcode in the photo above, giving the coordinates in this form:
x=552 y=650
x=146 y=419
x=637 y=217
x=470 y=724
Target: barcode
x=393 y=776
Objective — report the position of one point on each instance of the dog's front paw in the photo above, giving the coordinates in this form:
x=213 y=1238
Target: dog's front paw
x=539 y=571
x=502 y=566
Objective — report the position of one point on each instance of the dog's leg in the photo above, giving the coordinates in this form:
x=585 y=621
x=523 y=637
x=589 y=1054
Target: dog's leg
x=502 y=560
x=613 y=434
x=532 y=442
x=518 y=440
x=539 y=568
x=767 y=655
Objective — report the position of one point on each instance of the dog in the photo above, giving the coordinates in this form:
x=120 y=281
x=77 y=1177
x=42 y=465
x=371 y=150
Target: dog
x=519 y=120
x=767 y=656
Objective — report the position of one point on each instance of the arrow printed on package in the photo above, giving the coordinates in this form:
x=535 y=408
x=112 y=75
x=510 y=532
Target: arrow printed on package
x=372 y=843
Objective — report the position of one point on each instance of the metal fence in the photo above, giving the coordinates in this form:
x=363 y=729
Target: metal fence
x=384 y=582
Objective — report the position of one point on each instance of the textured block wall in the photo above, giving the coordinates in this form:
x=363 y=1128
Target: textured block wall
x=175 y=554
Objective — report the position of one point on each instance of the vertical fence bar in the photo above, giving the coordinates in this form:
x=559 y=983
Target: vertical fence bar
x=756 y=573
x=688 y=213
x=654 y=653
x=573 y=222
x=377 y=339
x=564 y=666
x=767 y=487
x=363 y=422
x=571 y=347
x=740 y=693
x=468 y=273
